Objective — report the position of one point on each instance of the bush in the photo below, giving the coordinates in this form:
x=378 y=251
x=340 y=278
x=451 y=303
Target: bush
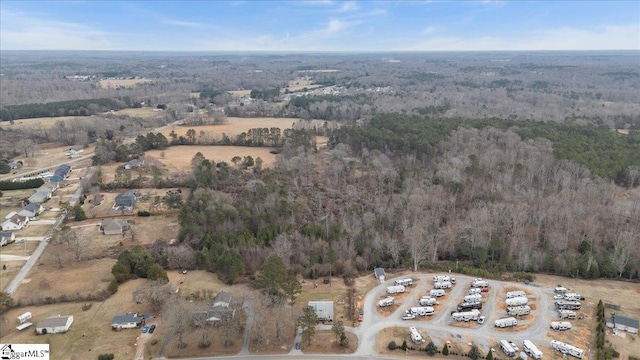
x=154 y=341
x=113 y=286
x=392 y=345
x=445 y=350
x=105 y=357
x=143 y=213
x=404 y=345
x=431 y=348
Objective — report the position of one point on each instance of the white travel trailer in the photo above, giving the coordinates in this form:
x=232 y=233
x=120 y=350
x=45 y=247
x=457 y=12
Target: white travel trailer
x=436 y=292
x=388 y=301
x=506 y=322
x=415 y=336
x=568 y=305
x=519 y=310
x=514 y=294
x=560 y=290
x=479 y=282
x=403 y=282
x=560 y=325
x=474 y=291
x=472 y=315
x=442 y=285
x=472 y=298
x=422 y=310
x=517 y=301
x=567 y=314
x=428 y=301
x=396 y=289
x=567 y=349
x=531 y=350
x=507 y=349
x=442 y=278
x=23 y=318
x=573 y=297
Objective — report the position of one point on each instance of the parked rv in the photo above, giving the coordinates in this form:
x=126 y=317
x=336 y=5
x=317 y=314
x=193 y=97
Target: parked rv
x=560 y=290
x=560 y=325
x=531 y=350
x=444 y=278
x=514 y=294
x=436 y=292
x=428 y=301
x=422 y=310
x=396 y=289
x=474 y=291
x=567 y=314
x=519 y=310
x=469 y=306
x=568 y=305
x=507 y=349
x=472 y=298
x=403 y=282
x=23 y=318
x=573 y=297
x=471 y=315
x=442 y=285
x=415 y=336
x=479 y=283
x=506 y=322
x=517 y=301
x=567 y=349
x=388 y=301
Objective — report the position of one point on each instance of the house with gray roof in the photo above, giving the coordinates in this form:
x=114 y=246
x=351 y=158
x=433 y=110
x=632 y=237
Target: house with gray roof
x=16 y=222
x=379 y=274
x=31 y=211
x=126 y=321
x=114 y=226
x=7 y=237
x=54 y=324
x=623 y=323
x=125 y=201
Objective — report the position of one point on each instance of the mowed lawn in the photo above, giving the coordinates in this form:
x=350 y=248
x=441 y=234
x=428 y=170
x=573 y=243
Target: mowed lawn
x=178 y=158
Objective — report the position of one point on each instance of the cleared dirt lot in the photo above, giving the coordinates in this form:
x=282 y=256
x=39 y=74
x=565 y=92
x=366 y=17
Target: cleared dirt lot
x=178 y=158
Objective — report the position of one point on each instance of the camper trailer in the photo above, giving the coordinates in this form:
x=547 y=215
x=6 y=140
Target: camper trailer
x=479 y=283
x=573 y=297
x=567 y=349
x=515 y=294
x=472 y=298
x=436 y=292
x=422 y=310
x=506 y=322
x=403 y=282
x=442 y=285
x=560 y=325
x=444 y=278
x=465 y=306
x=568 y=305
x=23 y=318
x=532 y=350
x=396 y=289
x=519 y=310
x=472 y=315
x=566 y=314
x=428 y=301
x=560 y=290
x=415 y=336
x=474 y=291
x=517 y=301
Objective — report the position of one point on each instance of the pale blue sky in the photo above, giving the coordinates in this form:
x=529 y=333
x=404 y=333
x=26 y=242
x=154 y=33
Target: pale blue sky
x=319 y=25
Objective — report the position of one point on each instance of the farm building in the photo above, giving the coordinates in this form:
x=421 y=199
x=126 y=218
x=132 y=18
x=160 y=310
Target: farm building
x=379 y=274
x=126 y=321
x=623 y=323
x=55 y=179
x=31 y=210
x=113 y=226
x=7 y=237
x=15 y=222
x=324 y=309
x=125 y=201
x=54 y=324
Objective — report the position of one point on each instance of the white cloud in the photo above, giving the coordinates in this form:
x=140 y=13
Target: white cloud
x=19 y=31
x=186 y=24
x=348 y=6
x=335 y=26
x=430 y=30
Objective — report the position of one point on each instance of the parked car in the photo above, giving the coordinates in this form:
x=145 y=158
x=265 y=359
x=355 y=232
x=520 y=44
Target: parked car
x=297 y=346
x=484 y=289
x=408 y=316
x=152 y=329
x=481 y=320
x=145 y=329
x=558 y=297
x=514 y=346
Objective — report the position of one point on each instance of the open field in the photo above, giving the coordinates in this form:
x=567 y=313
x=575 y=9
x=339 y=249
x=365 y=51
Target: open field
x=337 y=291
x=238 y=93
x=6 y=275
x=122 y=83
x=178 y=158
x=43 y=123
x=300 y=84
x=324 y=342
x=144 y=112
x=51 y=154
x=236 y=126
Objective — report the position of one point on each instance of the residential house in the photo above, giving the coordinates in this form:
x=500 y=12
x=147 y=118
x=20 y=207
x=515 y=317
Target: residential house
x=623 y=323
x=133 y=164
x=15 y=165
x=31 y=211
x=39 y=197
x=324 y=310
x=54 y=324
x=223 y=299
x=113 y=226
x=379 y=274
x=16 y=222
x=51 y=186
x=220 y=311
x=125 y=201
x=55 y=179
x=126 y=321
x=7 y=237
x=74 y=151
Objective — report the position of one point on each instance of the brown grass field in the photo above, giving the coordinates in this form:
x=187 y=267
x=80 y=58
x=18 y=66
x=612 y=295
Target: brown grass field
x=122 y=83
x=299 y=84
x=46 y=122
x=144 y=112
x=178 y=158
x=324 y=342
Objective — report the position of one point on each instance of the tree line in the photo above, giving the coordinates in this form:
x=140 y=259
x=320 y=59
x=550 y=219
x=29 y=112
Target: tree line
x=59 y=108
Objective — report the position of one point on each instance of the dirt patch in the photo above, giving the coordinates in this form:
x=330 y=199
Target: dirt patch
x=121 y=83
x=145 y=112
x=324 y=342
x=178 y=158
x=46 y=122
x=399 y=335
x=388 y=310
x=337 y=292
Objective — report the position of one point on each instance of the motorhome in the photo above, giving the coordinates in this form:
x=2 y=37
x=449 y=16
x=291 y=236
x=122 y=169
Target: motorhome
x=442 y=285
x=506 y=322
x=567 y=349
x=396 y=289
x=474 y=291
x=472 y=315
x=560 y=325
x=436 y=292
x=469 y=306
x=507 y=349
x=566 y=314
x=517 y=301
x=403 y=282
x=560 y=290
x=472 y=298
x=519 y=310
x=479 y=282
x=388 y=301
x=568 y=305
x=531 y=350
x=444 y=278
x=415 y=336
x=573 y=297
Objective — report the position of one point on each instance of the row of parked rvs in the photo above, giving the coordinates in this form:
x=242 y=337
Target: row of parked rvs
x=567 y=349
x=528 y=347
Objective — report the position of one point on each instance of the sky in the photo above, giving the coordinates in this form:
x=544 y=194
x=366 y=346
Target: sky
x=314 y=26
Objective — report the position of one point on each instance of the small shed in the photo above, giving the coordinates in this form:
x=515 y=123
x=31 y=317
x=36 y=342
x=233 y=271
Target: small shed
x=379 y=274
x=324 y=309
x=54 y=324
x=623 y=323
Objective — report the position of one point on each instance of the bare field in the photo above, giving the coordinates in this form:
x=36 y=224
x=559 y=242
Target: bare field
x=144 y=112
x=122 y=83
x=178 y=158
x=337 y=292
x=50 y=154
x=43 y=123
x=299 y=84
x=6 y=275
x=324 y=342
x=237 y=93
x=236 y=126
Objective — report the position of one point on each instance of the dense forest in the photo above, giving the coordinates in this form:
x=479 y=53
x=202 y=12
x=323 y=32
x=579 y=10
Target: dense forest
x=476 y=194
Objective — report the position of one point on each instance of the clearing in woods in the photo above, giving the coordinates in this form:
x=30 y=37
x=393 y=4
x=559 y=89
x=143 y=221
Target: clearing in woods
x=178 y=158
x=122 y=83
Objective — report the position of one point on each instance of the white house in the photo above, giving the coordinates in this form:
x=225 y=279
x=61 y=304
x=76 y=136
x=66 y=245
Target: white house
x=126 y=321
x=31 y=210
x=16 y=222
x=7 y=237
x=623 y=323
x=74 y=151
x=54 y=324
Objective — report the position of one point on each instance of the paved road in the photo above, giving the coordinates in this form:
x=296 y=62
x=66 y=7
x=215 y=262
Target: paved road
x=24 y=271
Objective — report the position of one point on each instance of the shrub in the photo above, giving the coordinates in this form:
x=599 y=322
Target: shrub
x=404 y=345
x=113 y=286
x=154 y=341
x=490 y=355
x=445 y=350
x=474 y=353
x=431 y=348
x=105 y=357
x=392 y=345
x=143 y=213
